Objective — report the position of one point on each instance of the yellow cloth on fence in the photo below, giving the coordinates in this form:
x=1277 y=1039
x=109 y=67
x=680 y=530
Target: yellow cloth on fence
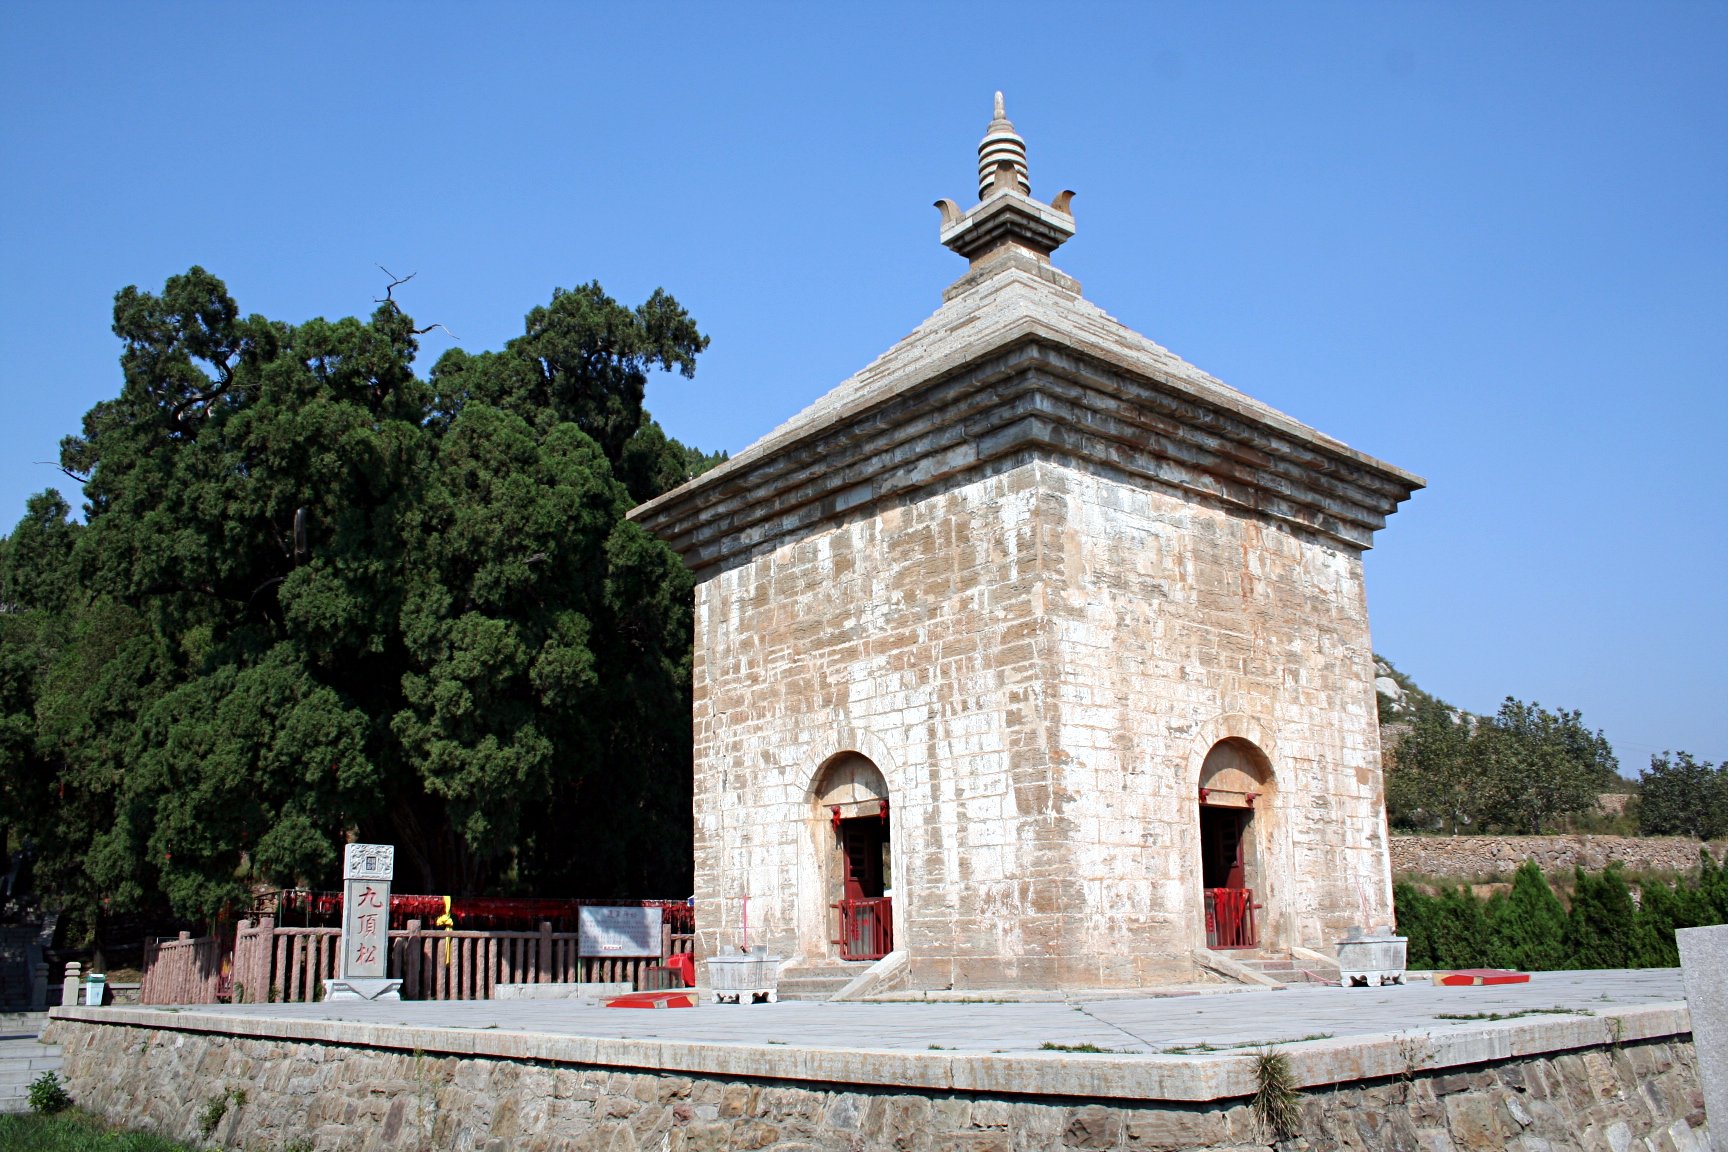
x=446 y=921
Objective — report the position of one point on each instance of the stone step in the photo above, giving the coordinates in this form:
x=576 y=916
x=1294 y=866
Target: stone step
x=815 y=983
x=810 y=989
x=1288 y=969
x=15 y=1072
x=22 y=1023
x=48 y=1056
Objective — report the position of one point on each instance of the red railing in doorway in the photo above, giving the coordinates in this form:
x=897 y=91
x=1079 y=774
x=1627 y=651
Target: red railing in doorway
x=1230 y=918
x=866 y=928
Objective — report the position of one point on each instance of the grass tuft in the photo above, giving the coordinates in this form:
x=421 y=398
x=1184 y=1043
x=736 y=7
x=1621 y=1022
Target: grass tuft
x=1051 y=1046
x=1275 y=1101
x=74 y=1131
x=1513 y=1015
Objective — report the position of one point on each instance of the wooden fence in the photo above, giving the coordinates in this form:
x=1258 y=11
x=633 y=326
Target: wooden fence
x=291 y=964
x=183 y=971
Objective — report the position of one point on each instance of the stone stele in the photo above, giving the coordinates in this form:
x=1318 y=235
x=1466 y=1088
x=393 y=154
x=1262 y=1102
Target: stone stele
x=1704 y=966
x=363 y=969
x=1024 y=642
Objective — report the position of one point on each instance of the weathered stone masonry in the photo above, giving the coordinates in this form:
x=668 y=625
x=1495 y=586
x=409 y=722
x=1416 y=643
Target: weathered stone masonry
x=1035 y=569
x=1469 y=857
x=1596 y=1099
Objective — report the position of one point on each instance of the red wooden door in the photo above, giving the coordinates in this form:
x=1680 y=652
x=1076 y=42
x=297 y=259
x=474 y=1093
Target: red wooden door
x=1221 y=834
x=861 y=841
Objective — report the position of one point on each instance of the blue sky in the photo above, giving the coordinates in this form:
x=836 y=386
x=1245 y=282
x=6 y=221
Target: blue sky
x=1488 y=243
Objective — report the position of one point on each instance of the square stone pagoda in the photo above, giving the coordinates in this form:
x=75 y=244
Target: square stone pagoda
x=1032 y=656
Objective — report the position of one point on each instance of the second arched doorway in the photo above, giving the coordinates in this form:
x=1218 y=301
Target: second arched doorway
x=858 y=872
x=1234 y=780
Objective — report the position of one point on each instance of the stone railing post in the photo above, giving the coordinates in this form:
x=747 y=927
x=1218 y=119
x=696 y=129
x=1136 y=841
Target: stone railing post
x=241 y=989
x=70 y=986
x=266 y=972
x=545 y=975
x=412 y=948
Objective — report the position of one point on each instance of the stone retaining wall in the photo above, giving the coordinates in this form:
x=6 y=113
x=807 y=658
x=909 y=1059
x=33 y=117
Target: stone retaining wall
x=276 y=1094
x=1468 y=857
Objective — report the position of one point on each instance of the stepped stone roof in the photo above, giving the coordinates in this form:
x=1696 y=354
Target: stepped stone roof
x=1017 y=365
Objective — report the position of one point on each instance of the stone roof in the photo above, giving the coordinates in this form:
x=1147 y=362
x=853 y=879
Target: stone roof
x=1015 y=365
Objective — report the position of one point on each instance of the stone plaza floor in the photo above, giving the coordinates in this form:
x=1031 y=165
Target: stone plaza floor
x=1173 y=1025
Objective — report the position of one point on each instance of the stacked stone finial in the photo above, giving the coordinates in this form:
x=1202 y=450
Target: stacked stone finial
x=1006 y=223
x=1001 y=145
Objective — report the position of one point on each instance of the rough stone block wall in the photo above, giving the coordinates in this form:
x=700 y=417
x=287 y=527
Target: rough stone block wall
x=1636 y=1095
x=1470 y=857
x=909 y=637
x=1179 y=625
x=1037 y=662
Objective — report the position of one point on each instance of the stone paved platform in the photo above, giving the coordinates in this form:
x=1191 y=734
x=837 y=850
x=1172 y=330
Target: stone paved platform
x=1175 y=1048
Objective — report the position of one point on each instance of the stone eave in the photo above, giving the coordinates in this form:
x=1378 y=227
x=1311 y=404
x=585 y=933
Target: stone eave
x=1051 y=377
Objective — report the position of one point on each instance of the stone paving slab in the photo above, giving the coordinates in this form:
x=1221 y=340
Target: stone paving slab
x=1153 y=1024
x=1183 y=1048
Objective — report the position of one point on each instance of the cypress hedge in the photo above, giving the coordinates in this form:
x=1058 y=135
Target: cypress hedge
x=1528 y=928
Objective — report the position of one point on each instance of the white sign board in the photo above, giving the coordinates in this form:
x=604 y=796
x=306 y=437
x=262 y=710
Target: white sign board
x=618 y=932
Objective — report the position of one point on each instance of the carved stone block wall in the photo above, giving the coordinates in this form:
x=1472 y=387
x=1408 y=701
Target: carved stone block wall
x=1037 y=661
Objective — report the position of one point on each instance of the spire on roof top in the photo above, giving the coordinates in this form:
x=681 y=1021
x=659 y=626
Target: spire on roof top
x=1001 y=145
x=1007 y=219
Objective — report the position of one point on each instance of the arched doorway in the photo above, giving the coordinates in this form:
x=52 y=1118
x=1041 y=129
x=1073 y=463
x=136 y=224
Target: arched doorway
x=858 y=871
x=1234 y=777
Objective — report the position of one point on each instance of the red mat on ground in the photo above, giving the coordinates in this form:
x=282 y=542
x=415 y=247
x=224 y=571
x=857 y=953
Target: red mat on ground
x=1473 y=977
x=669 y=998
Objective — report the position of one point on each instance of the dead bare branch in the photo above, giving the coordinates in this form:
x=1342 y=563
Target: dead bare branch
x=70 y=475
x=395 y=282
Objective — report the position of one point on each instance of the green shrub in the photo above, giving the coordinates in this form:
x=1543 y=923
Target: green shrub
x=1599 y=924
x=1460 y=931
x=1414 y=910
x=47 y=1095
x=1527 y=926
x=1530 y=929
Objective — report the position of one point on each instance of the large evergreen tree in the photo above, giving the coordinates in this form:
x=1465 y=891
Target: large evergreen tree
x=316 y=594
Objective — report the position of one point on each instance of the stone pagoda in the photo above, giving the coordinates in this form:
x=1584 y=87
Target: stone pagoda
x=1032 y=656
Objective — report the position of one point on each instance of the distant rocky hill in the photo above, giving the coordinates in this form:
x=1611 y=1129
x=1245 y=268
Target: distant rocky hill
x=1400 y=697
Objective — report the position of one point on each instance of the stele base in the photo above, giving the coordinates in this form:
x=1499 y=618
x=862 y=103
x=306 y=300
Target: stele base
x=362 y=988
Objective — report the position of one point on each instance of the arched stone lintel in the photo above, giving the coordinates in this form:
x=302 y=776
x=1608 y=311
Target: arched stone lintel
x=1231 y=725
x=842 y=740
